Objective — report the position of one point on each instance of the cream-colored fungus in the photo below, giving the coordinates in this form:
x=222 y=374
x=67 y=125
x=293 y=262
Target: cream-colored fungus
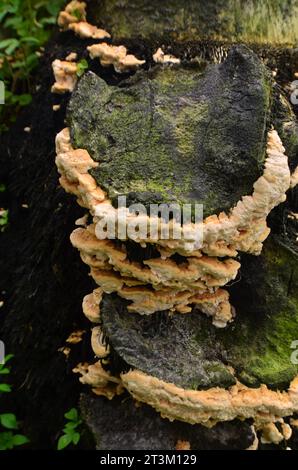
x=114 y=55
x=65 y=73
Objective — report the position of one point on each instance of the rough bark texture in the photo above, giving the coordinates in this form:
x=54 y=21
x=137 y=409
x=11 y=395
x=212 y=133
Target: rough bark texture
x=177 y=134
x=251 y=21
x=119 y=424
x=186 y=351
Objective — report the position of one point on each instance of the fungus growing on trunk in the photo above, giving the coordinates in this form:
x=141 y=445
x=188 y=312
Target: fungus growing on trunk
x=74 y=12
x=114 y=55
x=102 y=382
x=216 y=404
x=98 y=344
x=74 y=18
x=123 y=140
x=175 y=286
x=65 y=73
x=86 y=30
x=160 y=57
x=91 y=304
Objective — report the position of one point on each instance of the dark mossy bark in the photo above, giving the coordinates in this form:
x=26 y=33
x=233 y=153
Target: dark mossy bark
x=177 y=135
x=165 y=346
x=120 y=425
x=272 y=21
x=188 y=351
x=39 y=268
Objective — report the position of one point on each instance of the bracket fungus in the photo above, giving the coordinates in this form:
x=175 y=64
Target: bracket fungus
x=74 y=18
x=86 y=30
x=175 y=287
x=103 y=382
x=65 y=73
x=98 y=344
x=114 y=55
x=187 y=136
x=74 y=12
x=160 y=57
x=90 y=306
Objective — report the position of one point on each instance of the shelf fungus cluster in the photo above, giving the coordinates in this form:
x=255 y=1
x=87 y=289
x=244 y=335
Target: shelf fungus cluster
x=114 y=55
x=65 y=73
x=160 y=57
x=185 y=136
x=73 y=18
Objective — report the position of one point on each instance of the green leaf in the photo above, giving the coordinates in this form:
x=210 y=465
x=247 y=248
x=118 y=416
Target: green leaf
x=64 y=441
x=71 y=425
x=4 y=217
x=30 y=40
x=77 y=14
x=75 y=438
x=31 y=61
x=9 y=45
x=18 y=64
x=44 y=21
x=5 y=42
x=10 y=49
x=9 y=421
x=72 y=414
x=19 y=440
x=81 y=67
x=13 y=22
x=2 y=187
x=52 y=8
x=5 y=388
x=2 y=15
x=4 y=371
x=24 y=99
x=8 y=357
x=6 y=440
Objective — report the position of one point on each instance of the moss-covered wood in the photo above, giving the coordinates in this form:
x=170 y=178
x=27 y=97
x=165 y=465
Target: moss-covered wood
x=188 y=351
x=176 y=134
x=164 y=346
x=272 y=21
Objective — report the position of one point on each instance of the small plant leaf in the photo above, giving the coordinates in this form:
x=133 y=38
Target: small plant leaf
x=9 y=421
x=72 y=414
x=24 y=99
x=75 y=438
x=81 y=67
x=70 y=426
x=19 y=440
x=30 y=40
x=14 y=43
x=77 y=14
x=8 y=357
x=5 y=388
x=64 y=441
x=8 y=42
x=6 y=440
